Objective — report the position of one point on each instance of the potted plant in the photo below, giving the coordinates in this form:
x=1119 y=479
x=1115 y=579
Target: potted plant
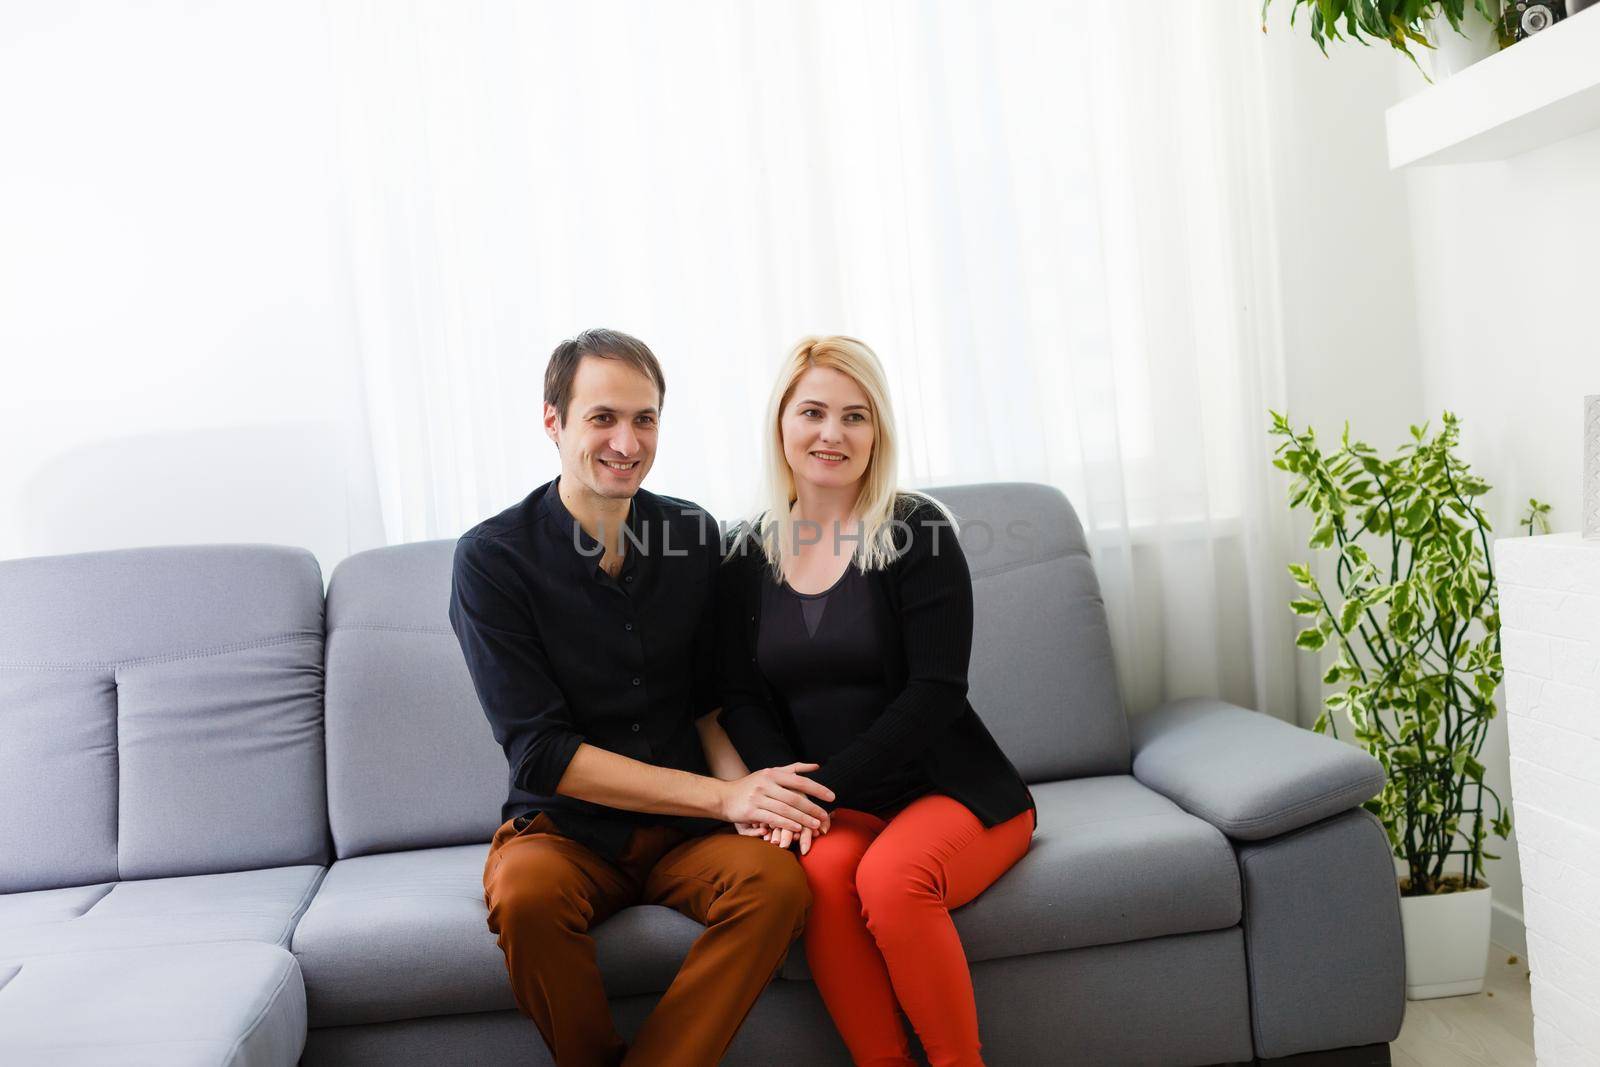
x=1411 y=615
x=1455 y=33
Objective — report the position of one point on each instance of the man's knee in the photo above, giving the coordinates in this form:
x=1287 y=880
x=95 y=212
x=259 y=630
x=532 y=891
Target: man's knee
x=773 y=877
x=529 y=893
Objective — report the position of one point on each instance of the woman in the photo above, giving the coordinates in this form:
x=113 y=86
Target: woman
x=847 y=626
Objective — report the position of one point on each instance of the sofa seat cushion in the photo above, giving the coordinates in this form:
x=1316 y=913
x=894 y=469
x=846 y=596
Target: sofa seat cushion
x=236 y=906
x=402 y=935
x=1111 y=861
x=230 y=1004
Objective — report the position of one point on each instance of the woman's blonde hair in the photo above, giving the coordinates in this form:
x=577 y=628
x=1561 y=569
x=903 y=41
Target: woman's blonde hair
x=879 y=501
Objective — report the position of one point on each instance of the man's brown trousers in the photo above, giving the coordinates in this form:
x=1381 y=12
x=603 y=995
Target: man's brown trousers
x=545 y=892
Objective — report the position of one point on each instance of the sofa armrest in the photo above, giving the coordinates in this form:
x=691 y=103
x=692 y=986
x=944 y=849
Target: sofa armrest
x=1248 y=774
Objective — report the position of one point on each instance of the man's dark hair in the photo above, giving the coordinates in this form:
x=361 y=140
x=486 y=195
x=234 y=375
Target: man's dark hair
x=605 y=344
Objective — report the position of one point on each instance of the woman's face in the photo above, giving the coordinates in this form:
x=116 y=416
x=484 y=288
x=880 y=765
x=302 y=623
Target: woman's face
x=827 y=429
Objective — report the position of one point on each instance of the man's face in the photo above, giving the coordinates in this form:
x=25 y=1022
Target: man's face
x=609 y=440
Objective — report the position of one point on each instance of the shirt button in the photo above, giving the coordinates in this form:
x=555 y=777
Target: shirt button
x=629 y=578
x=635 y=727
x=627 y=626
x=636 y=681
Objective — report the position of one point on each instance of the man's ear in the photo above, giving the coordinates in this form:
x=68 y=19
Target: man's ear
x=552 y=423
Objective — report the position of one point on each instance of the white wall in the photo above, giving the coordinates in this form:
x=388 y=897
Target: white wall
x=1350 y=332
x=174 y=324
x=1349 y=324
x=1508 y=288
x=1506 y=273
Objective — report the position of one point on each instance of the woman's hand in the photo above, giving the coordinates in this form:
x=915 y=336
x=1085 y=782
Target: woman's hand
x=785 y=838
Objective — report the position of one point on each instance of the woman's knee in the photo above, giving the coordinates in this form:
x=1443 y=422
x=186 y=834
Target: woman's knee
x=887 y=882
x=831 y=862
x=830 y=867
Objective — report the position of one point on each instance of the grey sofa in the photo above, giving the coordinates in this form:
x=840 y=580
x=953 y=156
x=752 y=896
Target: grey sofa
x=244 y=823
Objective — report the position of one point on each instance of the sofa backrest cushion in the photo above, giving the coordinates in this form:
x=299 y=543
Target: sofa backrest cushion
x=1042 y=676
x=411 y=761
x=160 y=714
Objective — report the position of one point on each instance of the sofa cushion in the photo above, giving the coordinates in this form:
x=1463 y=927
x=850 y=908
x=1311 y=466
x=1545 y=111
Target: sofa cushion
x=236 y=1004
x=405 y=934
x=404 y=727
x=153 y=701
x=1042 y=675
x=1111 y=861
x=237 y=906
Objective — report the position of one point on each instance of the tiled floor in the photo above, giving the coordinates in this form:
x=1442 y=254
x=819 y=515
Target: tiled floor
x=1493 y=1028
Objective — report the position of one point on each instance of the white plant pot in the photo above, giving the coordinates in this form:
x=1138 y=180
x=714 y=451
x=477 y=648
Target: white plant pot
x=1453 y=53
x=1447 y=943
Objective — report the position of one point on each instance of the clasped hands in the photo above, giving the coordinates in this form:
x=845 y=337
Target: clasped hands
x=778 y=804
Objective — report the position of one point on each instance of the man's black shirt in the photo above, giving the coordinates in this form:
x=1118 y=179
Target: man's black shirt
x=563 y=654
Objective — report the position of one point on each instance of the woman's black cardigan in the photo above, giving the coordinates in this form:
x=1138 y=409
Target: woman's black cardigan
x=925 y=601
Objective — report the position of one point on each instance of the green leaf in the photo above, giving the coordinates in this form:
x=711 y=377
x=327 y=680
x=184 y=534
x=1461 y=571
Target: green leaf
x=1349 y=615
x=1305 y=607
x=1311 y=639
x=1321 y=725
x=1301 y=573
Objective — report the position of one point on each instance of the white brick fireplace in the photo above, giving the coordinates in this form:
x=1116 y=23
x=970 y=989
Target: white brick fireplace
x=1550 y=615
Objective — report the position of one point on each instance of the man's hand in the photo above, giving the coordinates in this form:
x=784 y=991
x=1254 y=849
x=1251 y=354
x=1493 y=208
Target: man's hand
x=779 y=797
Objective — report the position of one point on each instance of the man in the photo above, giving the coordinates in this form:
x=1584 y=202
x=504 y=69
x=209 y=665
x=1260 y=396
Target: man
x=585 y=614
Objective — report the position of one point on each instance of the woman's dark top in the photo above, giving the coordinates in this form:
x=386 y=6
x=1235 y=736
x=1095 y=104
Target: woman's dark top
x=822 y=653
x=923 y=615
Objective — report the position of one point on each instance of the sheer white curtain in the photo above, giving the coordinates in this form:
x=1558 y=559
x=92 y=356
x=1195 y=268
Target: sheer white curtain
x=1050 y=220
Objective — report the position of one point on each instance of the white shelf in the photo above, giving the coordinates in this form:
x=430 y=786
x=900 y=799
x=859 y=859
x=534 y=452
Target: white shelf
x=1537 y=92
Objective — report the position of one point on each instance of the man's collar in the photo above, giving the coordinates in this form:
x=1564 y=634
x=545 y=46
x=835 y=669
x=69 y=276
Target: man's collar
x=573 y=534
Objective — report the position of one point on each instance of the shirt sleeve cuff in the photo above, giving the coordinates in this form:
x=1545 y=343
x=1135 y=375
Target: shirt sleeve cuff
x=546 y=763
